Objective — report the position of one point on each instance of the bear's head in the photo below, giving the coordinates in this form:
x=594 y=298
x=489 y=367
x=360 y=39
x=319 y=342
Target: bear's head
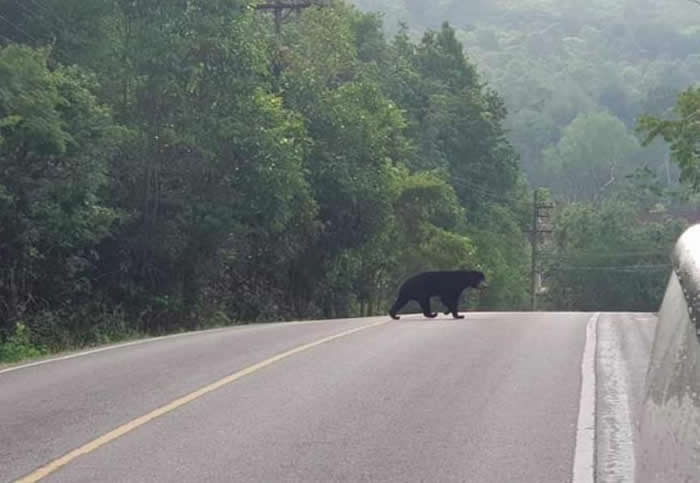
x=476 y=280
x=482 y=281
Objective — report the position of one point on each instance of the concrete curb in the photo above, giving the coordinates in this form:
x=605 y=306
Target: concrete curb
x=669 y=430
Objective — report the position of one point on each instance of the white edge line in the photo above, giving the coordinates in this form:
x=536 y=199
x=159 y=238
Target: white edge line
x=261 y=325
x=584 y=457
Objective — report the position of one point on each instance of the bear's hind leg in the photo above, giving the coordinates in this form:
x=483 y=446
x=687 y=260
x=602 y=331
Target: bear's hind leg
x=398 y=305
x=445 y=302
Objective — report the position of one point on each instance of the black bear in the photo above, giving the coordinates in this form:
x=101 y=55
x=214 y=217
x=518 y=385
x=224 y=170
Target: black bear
x=448 y=285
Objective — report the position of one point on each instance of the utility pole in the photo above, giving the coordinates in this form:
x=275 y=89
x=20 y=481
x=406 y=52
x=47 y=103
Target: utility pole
x=281 y=9
x=539 y=212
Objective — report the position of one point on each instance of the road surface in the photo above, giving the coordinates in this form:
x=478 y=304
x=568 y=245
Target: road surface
x=494 y=397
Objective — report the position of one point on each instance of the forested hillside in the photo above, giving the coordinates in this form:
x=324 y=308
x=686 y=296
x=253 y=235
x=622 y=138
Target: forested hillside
x=559 y=64
x=172 y=165
x=576 y=77
x=177 y=165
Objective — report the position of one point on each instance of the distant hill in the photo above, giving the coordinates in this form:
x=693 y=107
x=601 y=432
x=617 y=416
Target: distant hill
x=554 y=61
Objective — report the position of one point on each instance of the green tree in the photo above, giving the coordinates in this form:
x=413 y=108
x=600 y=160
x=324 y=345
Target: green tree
x=356 y=137
x=55 y=144
x=251 y=176
x=456 y=121
x=610 y=256
x=215 y=161
x=683 y=134
x=594 y=154
x=458 y=126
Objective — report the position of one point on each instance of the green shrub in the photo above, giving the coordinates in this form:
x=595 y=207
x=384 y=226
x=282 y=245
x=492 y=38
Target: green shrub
x=19 y=346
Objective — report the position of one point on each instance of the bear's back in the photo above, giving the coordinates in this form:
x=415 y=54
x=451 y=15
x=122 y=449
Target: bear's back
x=437 y=282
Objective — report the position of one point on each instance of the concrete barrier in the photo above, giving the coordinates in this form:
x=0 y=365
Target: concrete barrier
x=669 y=426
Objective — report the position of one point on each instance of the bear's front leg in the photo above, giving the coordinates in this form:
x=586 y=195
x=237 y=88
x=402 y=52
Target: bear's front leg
x=425 y=305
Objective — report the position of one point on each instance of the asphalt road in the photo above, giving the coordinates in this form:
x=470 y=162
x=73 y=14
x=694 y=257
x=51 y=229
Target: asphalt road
x=492 y=398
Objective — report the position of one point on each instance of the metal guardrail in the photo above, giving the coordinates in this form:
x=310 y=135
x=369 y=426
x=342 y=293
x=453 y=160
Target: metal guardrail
x=669 y=427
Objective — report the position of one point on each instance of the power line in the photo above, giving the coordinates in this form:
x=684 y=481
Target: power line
x=619 y=268
x=18 y=28
x=626 y=253
x=8 y=39
x=48 y=15
x=40 y=6
x=460 y=175
x=38 y=17
x=482 y=191
x=458 y=178
x=57 y=22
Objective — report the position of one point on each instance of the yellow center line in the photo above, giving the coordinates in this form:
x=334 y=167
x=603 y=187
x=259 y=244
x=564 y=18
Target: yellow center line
x=57 y=464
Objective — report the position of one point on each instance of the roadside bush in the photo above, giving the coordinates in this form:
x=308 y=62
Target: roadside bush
x=19 y=346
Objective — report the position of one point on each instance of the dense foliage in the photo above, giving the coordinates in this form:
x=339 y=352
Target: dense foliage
x=683 y=134
x=557 y=61
x=586 y=84
x=172 y=165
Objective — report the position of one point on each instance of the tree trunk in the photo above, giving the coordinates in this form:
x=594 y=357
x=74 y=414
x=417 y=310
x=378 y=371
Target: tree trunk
x=190 y=294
